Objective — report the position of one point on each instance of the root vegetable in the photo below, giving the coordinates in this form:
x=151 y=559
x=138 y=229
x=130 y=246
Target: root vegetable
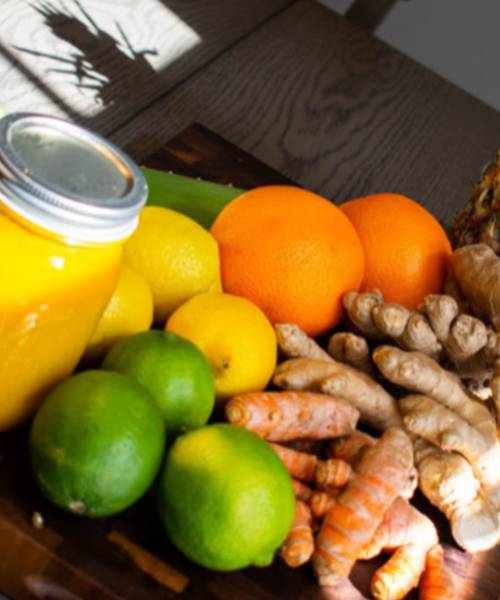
x=333 y=472
x=376 y=406
x=447 y=480
x=302 y=491
x=295 y=343
x=299 y=464
x=420 y=373
x=322 y=502
x=436 y=582
x=437 y=329
x=358 y=510
x=281 y=416
x=352 y=349
x=476 y=269
x=299 y=544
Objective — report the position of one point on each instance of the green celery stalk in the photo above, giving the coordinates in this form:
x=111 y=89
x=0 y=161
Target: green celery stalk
x=200 y=200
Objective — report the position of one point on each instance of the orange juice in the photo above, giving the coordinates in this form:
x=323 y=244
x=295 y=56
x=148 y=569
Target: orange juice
x=53 y=287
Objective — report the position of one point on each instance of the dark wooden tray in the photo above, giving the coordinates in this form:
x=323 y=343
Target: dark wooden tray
x=128 y=556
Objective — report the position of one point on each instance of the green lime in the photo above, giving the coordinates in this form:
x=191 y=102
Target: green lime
x=173 y=370
x=97 y=443
x=225 y=498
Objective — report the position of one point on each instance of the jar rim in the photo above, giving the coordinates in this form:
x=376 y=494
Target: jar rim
x=68 y=180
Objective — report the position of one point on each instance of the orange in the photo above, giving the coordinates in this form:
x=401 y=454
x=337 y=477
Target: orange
x=292 y=253
x=406 y=249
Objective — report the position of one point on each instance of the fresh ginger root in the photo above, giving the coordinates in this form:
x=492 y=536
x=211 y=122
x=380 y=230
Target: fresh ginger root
x=300 y=465
x=476 y=270
x=459 y=423
x=360 y=507
x=282 y=416
x=436 y=582
x=352 y=349
x=376 y=406
x=448 y=482
x=436 y=329
x=299 y=544
x=295 y=343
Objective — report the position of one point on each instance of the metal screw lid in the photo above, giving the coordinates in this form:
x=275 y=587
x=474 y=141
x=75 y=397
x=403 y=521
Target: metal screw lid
x=67 y=180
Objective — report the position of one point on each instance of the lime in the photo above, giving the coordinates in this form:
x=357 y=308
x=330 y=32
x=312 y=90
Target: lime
x=97 y=443
x=225 y=498
x=235 y=336
x=176 y=256
x=174 y=371
x=129 y=311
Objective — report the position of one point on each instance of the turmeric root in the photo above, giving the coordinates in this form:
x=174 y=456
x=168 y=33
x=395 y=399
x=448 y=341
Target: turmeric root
x=295 y=343
x=332 y=473
x=358 y=510
x=299 y=544
x=402 y=524
x=351 y=448
x=281 y=416
x=420 y=373
x=437 y=329
x=299 y=464
x=410 y=534
x=352 y=349
x=476 y=269
x=376 y=406
x=447 y=480
x=302 y=491
x=321 y=502
x=436 y=582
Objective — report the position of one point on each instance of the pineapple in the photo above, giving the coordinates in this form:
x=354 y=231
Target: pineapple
x=479 y=219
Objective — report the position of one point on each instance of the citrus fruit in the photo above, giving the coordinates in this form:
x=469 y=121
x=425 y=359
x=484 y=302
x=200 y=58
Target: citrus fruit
x=176 y=256
x=173 y=370
x=97 y=443
x=406 y=249
x=291 y=252
x=225 y=498
x=129 y=311
x=234 y=335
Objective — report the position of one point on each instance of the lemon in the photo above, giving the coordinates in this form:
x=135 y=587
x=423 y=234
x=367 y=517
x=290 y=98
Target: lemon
x=176 y=256
x=129 y=311
x=225 y=498
x=235 y=336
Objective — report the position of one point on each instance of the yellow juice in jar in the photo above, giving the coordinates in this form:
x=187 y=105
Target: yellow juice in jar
x=68 y=203
x=52 y=297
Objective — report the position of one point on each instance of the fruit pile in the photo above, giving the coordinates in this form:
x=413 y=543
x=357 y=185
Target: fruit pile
x=290 y=471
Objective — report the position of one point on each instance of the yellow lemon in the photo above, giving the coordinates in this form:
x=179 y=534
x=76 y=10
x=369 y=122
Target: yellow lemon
x=177 y=257
x=235 y=336
x=129 y=311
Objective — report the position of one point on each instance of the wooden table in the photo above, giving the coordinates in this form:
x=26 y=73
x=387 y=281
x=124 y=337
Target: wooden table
x=309 y=93
x=306 y=91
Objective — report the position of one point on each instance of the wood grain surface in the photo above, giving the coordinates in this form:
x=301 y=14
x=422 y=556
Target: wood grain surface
x=128 y=556
x=323 y=102
x=101 y=61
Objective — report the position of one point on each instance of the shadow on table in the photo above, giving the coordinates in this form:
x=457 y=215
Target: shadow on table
x=104 y=66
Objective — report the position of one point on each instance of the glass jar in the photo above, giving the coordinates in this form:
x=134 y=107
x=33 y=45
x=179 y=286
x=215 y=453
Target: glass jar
x=68 y=201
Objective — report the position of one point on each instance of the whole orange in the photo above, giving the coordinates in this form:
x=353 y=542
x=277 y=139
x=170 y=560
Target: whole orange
x=292 y=253
x=406 y=249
